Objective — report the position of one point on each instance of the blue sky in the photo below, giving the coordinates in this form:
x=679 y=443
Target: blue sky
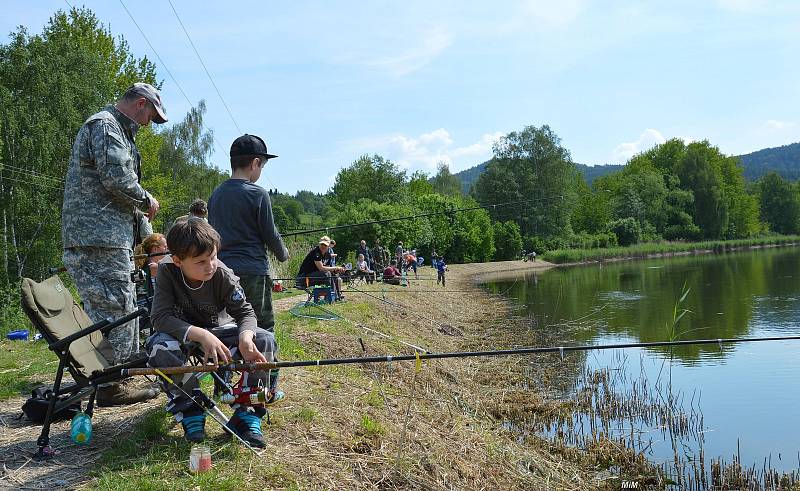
x=423 y=82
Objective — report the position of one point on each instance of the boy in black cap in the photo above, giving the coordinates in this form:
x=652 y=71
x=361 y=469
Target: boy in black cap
x=241 y=211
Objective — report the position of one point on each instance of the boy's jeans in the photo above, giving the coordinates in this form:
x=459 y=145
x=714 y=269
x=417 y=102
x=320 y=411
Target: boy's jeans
x=164 y=350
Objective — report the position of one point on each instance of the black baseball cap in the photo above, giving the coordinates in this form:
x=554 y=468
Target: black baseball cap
x=250 y=145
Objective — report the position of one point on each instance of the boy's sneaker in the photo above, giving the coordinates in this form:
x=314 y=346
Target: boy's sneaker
x=247 y=425
x=194 y=427
x=275 y=396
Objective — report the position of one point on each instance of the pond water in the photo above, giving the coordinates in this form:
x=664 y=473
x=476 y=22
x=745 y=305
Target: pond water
x=748 y=393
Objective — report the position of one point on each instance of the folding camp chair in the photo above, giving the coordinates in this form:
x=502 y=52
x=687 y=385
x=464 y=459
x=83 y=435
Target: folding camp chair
x=79 y=345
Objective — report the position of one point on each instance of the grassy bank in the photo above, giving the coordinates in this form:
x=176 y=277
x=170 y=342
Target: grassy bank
x=562 y=256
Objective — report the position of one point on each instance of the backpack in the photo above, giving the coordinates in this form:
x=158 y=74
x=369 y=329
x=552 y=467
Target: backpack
x=35 y=408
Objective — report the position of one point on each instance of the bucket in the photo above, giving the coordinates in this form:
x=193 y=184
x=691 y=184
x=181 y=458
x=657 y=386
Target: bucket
x=21 y=335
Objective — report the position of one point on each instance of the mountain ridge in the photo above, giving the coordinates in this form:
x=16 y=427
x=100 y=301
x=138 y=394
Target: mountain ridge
x=785 y=160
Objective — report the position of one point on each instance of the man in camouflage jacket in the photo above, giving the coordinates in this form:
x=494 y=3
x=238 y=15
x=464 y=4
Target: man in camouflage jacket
x=99 y=219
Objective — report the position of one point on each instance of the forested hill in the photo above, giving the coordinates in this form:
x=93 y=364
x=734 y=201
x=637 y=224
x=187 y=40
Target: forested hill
x=784 y=160
x=469 y=176
x=590 y=173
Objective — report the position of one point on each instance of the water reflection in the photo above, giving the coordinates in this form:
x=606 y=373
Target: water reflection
x=747 y=391
x=730 y=294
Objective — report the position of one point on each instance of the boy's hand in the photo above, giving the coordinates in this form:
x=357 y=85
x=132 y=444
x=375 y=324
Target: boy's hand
x=248 y=350
x=214 y=350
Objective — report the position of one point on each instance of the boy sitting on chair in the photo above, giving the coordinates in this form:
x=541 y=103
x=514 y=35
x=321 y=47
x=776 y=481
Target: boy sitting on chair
x=197 y=300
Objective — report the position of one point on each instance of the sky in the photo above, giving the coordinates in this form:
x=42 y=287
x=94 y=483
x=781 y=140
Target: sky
x=422 y=82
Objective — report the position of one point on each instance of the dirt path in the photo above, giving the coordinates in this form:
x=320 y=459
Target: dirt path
x=438 y=422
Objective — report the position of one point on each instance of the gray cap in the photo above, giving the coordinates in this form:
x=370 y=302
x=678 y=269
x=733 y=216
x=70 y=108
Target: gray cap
x=151 y=94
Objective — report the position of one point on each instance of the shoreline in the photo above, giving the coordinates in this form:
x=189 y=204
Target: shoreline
x=722 y=247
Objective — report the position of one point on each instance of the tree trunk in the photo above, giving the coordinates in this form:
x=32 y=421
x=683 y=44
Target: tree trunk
x=5 y=237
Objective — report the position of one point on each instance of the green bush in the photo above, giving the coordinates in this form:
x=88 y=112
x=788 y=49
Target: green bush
x=627 y=230
x=690 y=232
x=507 y=240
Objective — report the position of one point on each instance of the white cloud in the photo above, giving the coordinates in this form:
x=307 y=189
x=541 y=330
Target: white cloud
x=425 y=151
x=400 y=53
x=431 y=44
x=647 y=140
x=774 y=124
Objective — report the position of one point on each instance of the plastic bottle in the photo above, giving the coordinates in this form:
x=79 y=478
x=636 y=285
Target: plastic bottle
x=81 y=428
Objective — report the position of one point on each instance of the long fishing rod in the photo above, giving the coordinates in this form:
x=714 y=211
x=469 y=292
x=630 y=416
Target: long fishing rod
x=422 y=278
x=247 y=367
x=421 y=215
x=410 y=291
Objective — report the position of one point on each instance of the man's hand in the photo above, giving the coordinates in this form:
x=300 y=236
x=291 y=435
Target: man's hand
x=213 y=349
x=154 y=207
x=248 y=350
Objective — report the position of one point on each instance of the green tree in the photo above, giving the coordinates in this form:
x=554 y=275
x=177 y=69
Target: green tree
x=627 y=230
x=280 y=217
x=532 y=164
x=507 y=240
x=683 y=191
x=780 y=204
x=369 y=177
x=446 y=183
x=182 y=170
x=592 y=210
x=459 y=236
x=292 y=208
x=418 y=185
x=710 y=207
x=314 y=203
x=49 y=84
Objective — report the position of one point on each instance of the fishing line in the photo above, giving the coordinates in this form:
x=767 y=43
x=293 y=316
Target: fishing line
x=374 y=331
x=168 y=71
x=30 y=172
x=405 y=308
x=32 y=183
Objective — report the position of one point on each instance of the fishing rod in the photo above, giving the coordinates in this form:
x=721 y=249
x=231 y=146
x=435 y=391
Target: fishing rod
x=410 y=291
x=421 y=278
x=248 y=367
x=421 y=215
x=151 y=254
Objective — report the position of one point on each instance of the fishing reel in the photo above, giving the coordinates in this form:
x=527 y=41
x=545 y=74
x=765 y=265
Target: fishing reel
x=246 y=395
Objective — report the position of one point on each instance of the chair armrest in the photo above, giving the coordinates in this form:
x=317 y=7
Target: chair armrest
x=104 y=325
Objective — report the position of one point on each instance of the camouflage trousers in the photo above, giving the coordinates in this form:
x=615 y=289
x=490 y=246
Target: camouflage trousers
x=164 y=350
x=102 y=276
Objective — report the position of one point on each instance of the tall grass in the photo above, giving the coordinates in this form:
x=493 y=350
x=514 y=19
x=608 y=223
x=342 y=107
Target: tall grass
x=561 y=256
x=298 y=248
